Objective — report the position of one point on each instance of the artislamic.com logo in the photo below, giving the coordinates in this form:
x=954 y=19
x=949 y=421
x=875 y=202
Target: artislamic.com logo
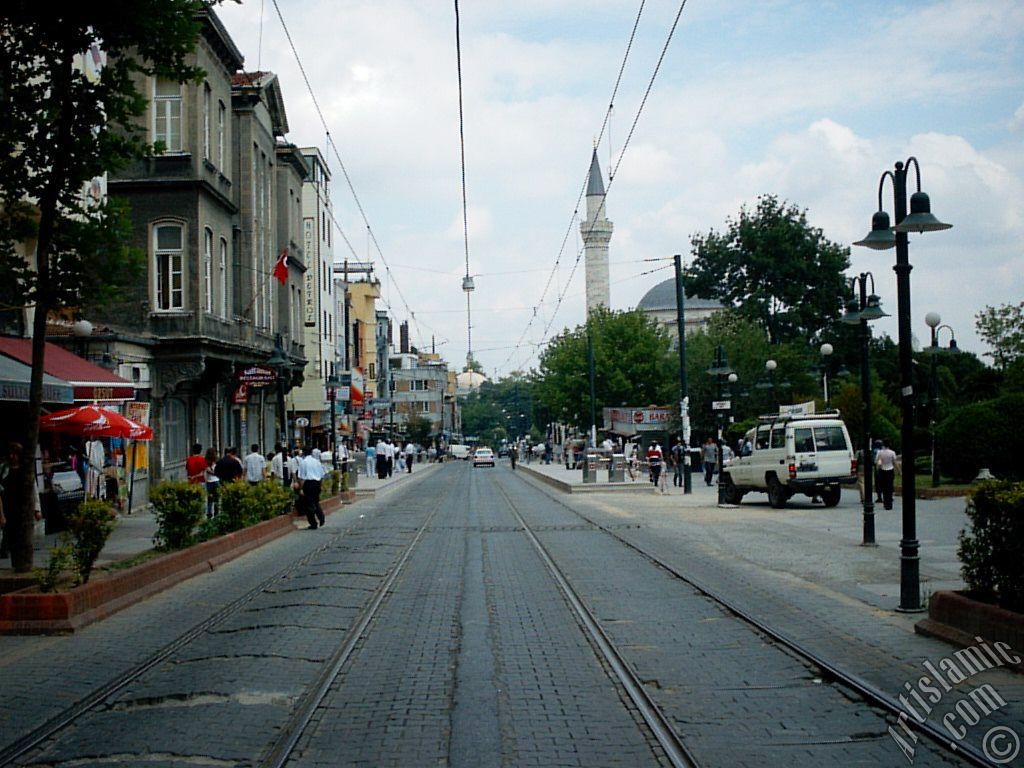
x=1000 y=744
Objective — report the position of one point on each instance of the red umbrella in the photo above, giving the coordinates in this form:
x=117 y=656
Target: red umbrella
x=94 y=421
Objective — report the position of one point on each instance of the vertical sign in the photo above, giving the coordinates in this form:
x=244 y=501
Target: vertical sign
x=310 y=292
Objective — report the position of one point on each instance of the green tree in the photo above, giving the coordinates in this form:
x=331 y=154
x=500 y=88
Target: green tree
x=62 y=127
x=774 y=268
x=633 y=366
x=1002 y=328
x=418 y=430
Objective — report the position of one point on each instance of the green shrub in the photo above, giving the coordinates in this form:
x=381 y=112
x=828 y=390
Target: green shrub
x=242 y=505
x=179 y=507
x=61 y=560
x=993 y=552
x=90 y=526
x=981 y=435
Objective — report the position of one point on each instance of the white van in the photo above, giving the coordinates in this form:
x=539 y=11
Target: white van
x=460 y=452
x=807 y=453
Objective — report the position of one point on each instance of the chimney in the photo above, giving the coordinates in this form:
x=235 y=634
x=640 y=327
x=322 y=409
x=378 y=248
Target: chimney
x=403 y=337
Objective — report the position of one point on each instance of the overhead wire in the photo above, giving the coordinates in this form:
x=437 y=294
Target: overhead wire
x=345 y=173
x=612 y=172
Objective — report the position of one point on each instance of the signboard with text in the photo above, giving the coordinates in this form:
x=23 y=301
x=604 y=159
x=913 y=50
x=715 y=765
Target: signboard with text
x=629 y=421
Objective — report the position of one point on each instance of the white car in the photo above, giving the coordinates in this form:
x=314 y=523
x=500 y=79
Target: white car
x=483 y=456
x=809 y=454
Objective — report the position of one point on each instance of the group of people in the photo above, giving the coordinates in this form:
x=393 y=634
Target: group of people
x=303 y=473
x=386 y=456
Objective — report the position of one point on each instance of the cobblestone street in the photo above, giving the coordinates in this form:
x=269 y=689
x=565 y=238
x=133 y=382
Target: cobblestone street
x=425 y=628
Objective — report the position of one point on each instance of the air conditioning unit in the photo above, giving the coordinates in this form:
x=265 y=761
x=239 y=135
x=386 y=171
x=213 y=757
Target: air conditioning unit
x=136 y=373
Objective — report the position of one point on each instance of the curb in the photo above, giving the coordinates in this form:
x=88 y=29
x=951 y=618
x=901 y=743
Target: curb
x=27 y=612
x=957 y=619
x=565 y=487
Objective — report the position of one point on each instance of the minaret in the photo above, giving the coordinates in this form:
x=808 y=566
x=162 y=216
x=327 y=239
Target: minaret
x=597 y=232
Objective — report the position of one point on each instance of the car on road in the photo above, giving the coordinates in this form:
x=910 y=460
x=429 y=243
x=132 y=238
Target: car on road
x=483 y=457
x=459 y=451
x=789 y=454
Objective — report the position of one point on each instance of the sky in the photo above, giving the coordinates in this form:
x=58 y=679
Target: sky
x=808 y=101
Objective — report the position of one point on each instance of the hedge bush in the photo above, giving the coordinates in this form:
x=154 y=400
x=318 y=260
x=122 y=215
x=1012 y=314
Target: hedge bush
x=180 y=507
x=90 y=526
x=982 y=435
x=242 y=505
x=992 y=552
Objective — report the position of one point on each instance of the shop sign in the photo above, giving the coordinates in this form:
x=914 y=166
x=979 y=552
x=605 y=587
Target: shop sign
x=629 y=421
x=257 y=375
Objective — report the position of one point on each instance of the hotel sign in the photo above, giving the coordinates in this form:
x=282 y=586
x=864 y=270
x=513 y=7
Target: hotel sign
x=309 y=283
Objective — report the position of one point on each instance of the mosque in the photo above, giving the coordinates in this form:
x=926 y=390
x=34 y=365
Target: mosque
x=660 y=301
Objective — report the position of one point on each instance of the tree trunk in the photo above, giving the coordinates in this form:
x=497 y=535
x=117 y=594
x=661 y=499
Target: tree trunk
x=21 y=546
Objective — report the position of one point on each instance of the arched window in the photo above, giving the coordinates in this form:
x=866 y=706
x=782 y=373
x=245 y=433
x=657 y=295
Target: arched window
x=168 y=267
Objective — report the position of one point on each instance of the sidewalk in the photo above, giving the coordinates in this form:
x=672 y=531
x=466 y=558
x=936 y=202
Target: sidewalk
x=134 y=533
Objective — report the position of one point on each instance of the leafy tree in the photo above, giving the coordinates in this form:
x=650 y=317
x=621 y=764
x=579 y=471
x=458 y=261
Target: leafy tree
x=499 y=404
x=774 y=268
x=62 y=128
x=632 y=366
x=1002 y=328
x=418 y=430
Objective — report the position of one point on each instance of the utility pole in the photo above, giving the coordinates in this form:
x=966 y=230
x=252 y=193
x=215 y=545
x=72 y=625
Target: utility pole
x=684 y=392
x=593 y=406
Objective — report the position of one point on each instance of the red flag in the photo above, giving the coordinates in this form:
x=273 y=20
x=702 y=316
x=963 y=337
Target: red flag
x=281 y=268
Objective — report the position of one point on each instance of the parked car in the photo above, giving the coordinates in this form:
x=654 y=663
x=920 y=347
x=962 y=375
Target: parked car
x=483 y=457
x=790 y=454
x=458 y=451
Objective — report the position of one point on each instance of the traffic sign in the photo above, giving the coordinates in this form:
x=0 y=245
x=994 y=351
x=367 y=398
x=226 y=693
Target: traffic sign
x=721 y=405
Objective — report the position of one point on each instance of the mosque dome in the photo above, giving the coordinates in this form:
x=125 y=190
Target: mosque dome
x=663 y=297
x=468 y=381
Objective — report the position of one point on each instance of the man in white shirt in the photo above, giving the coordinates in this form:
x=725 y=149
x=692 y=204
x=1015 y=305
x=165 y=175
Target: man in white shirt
x=255 y=465
x=311 y=472
x=277 y=465
x=410 y=456
x=886 y=462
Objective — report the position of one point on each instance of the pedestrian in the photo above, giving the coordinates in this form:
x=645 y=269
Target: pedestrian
x=291 y=465
x=887 y=464
x=311 y=473
x=678 y=457
x=876 y=446
x=654 y=459
x=389 y=452
x=410 y=456
x=228 y=468
x=18 y=526
x=212 y=482
x=255 y=466
x=710 y=460
x=277 y=466
x=195 y=465
x=371 y=459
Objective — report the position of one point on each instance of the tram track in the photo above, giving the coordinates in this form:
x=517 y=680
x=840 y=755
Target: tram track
x=828 y=669
x=14 y=753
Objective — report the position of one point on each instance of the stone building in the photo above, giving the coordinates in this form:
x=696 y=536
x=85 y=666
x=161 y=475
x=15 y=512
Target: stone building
x=597 y=234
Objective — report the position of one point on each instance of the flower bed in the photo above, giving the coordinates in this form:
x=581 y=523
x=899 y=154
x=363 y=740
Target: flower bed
x=958 y=619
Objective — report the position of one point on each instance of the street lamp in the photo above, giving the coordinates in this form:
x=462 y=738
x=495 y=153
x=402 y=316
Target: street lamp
x=826 y=350
x=882 y=237
x=934 y=322
x=332 y=394
x=859 y=311
x=720 y=370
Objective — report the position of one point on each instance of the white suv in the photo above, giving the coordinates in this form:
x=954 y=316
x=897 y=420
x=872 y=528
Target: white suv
x=807 y=453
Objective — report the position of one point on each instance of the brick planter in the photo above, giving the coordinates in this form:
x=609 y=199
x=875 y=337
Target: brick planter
x=957 y=619
x=29 y=611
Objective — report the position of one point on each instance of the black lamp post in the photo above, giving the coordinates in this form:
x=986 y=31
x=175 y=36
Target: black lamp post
x=882 y=237
x=720 y=370
x=934 y=322
x=859 y=311
x=826 y=350
x=684 y=390
x=332 y=396
x=280 y=362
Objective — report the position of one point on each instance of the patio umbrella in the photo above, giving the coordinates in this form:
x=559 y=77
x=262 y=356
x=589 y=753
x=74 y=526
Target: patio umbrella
x=96 y=421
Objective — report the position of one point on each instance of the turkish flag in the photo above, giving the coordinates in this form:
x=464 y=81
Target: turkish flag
x=281 y=268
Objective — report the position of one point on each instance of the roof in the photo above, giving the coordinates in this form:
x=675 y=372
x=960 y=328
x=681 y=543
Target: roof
x=15 y=378
x=90 y=382
x=267 y=82
x=663 y=296
x=595 y=184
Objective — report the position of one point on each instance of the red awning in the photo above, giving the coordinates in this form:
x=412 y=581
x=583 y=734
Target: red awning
x=90 y=382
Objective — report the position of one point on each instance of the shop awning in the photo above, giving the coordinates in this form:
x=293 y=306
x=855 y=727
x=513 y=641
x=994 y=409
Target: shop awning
x=15 y=378
x=89 y=381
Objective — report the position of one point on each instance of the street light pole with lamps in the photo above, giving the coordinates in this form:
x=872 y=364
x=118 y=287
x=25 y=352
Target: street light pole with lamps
x=332 y=396
x=720 y=370
x=859 y=310
x=826 y=351
x=883 y=237
x=934 y=322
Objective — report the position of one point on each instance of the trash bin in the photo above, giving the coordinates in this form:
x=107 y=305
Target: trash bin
x=353 y=475
x=617 y=468
x=590 y=468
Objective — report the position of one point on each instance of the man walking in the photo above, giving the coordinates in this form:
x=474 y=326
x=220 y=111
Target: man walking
x=654 y=457
x=678 y=457
x=410 y=456
x=886 y=464
x=255 y=465
x=311 y=473
x=228 y=468
x=710 y=460
x=195 y=465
